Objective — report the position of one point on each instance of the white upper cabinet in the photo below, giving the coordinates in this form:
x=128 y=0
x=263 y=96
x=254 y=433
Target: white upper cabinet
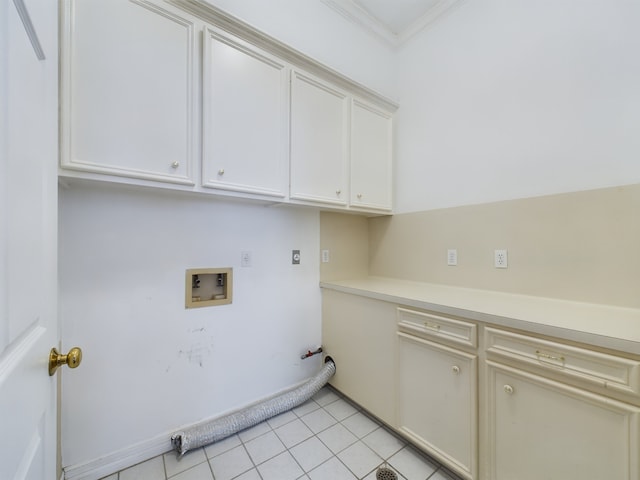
x=183 y=96
x=371 y=157
x=319 y=141
x=245 y=117
x=129 y=84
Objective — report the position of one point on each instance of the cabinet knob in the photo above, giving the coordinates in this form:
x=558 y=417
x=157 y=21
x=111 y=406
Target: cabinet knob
x=455 y=369
x=359 y=196
x=338 y=192
x=175 y=164
x=508 y=389
x=221 y=171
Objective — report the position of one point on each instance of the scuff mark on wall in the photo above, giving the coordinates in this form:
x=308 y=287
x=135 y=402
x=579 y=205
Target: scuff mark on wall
x=197 y=353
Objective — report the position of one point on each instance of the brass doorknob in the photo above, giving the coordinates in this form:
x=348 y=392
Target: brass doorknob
x=71 y=359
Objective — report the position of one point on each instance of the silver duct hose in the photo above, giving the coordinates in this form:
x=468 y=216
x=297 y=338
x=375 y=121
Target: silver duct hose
x=220 y=428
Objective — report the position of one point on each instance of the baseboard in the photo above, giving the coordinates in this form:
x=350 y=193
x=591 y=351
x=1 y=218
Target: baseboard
x=140 y=452
x=119 y=460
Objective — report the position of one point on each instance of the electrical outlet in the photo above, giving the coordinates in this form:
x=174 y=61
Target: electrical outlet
x=245 y=259
x=452 y=257
x=500 y=259
x=325 y=256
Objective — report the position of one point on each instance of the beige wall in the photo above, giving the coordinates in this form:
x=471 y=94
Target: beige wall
x=582 y=246
x=346 y=237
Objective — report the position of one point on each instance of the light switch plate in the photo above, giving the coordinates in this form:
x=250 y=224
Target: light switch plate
x=452 y=257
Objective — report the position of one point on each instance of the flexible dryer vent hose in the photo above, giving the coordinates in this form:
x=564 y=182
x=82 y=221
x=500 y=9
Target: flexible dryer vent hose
x=220 y=428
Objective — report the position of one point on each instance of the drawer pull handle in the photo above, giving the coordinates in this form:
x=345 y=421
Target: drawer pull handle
x=455 y=369
x=432 y=326
x=175 y=164
x=508 y=389
x=546 y=356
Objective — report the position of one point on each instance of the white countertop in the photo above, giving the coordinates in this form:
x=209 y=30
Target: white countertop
x=606 y=326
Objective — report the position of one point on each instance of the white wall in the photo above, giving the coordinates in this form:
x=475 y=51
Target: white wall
x=151 y=366
x=546 y=95
x=502 y=100
x=314 y=29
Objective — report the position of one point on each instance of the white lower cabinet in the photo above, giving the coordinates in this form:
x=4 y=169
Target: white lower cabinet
x=437 y=401
x=543 y=429
x=486 y=402
x=358 y=333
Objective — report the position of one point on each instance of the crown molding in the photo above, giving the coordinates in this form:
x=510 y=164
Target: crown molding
x=356 y=14
x=227 y=22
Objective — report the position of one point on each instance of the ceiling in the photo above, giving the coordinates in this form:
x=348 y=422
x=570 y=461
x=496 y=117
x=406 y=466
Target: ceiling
x=393 y=20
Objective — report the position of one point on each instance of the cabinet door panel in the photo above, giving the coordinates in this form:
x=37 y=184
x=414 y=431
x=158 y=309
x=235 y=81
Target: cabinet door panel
x=128 y=91
x=319 y=136
x=543 y=429
x=371 y=157
x=245 y=118
x=358 y=334
x=437 y=401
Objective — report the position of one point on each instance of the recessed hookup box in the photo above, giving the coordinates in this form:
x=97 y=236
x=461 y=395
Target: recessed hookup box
x=208 y=287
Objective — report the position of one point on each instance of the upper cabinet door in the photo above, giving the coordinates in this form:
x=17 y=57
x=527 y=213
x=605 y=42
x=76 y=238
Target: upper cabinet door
x=319 y=141
x=371 y=157
x=128 y=87
x=245 y=106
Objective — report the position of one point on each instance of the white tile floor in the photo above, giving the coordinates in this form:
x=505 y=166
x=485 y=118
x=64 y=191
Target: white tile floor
x=327 y=438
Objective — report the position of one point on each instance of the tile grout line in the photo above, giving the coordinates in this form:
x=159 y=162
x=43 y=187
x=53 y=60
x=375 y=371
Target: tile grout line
x=298 y=415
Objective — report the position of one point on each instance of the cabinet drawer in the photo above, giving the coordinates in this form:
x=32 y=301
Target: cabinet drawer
x=608 y=371
x=428 y=325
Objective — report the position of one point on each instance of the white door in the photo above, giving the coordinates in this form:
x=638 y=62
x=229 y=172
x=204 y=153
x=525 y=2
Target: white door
x=28 y=231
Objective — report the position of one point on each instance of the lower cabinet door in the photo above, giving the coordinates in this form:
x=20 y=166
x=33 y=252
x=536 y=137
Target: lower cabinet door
x=358 y=333
x=437 y=402
x=541 y=429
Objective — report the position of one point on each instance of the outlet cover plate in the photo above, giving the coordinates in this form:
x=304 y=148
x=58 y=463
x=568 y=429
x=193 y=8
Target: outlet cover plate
x=501 y=260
